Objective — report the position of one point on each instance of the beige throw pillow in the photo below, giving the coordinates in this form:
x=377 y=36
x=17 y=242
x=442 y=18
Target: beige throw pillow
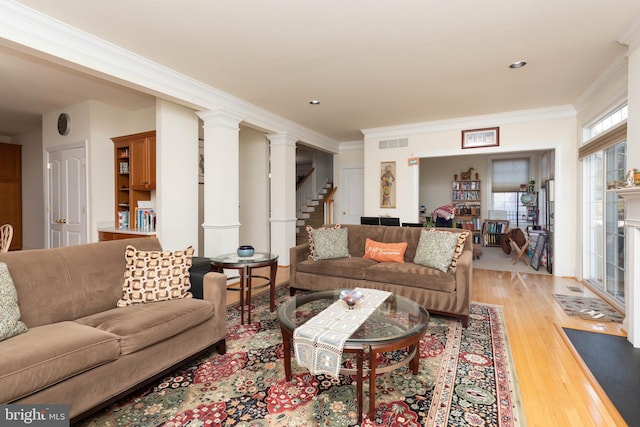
x=312 y=245
x=155 y=276
x=10 y=323
x=436 y=249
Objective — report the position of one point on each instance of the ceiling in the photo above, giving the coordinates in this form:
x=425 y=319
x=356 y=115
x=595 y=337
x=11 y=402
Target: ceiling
x=371 y=64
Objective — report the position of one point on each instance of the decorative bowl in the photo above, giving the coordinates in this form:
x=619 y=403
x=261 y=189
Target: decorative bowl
x=350 y=297
x=245 y=251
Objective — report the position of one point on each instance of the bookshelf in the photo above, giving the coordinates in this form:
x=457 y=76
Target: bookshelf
x=135 y=179
x=466 y=201
x=493 y=231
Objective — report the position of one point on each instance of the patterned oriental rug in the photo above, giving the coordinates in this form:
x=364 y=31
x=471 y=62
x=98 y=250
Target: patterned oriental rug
x=466 y=378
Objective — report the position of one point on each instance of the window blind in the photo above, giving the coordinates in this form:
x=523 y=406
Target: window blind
x=604 y=140
x=508 y=174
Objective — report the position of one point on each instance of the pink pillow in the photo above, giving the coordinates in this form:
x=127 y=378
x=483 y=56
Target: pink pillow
x=384 y=252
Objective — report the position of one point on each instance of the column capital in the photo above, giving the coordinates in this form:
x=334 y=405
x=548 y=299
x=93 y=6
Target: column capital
x=221 y=117
x=282 y=138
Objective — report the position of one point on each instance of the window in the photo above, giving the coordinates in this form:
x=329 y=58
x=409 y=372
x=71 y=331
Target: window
x=619 y=115
x=603 y=162
x=506 y=177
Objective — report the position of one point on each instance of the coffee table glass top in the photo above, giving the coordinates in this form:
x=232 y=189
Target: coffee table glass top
x=396 y=318
x=232 y=259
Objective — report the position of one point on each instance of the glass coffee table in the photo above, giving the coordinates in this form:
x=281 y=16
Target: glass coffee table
x=396 y=324
x=245 y=266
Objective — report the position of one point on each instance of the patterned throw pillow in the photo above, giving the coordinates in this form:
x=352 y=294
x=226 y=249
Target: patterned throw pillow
x=384 y=252
x=436 y=249
x=312 y=246
x=462 y=237
x=10 y=323
x=155 y=276
x=330 y=243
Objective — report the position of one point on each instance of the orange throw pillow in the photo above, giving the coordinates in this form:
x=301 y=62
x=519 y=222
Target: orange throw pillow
x=384 y=252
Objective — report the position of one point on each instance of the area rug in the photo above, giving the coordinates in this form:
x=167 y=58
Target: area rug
x=466 y=377
x=588 y=308
x=615 y=364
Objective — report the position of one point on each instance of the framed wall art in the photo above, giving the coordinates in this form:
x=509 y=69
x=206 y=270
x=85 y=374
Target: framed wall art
x=477 y=138
x=537 y=251
x=388 y=184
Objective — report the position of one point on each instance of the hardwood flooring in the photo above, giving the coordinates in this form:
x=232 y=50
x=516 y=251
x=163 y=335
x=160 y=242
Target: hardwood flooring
x=556 y=389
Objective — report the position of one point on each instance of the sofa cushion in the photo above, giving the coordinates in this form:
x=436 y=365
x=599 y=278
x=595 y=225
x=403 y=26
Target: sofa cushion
x=412 y=275
x=141 y=325
x=384 y=252
x=350 y=268
x=10 y=323
x=155 y=276
x=48 y=354
x=436 y=249
x=330 y=243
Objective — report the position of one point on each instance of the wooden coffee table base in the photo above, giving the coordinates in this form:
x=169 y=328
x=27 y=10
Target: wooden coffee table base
x=413 y=360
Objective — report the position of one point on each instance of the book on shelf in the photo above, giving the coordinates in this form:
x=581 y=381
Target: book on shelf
x=145 y=219
x=497 y=227
x=123 y=219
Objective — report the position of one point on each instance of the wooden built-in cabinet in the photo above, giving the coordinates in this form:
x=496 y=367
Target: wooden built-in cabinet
x=135 y=175
x=11 y=191
x=104 y=236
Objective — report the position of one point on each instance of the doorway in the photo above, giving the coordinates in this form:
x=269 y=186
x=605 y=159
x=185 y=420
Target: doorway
x=67 y=195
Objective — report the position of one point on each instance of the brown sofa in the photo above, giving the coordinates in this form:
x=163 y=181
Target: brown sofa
x=80 y=349
x=439 y=292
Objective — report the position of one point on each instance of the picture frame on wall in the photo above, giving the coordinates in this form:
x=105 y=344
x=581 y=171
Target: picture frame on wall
x=478 y=138
x=388 y=184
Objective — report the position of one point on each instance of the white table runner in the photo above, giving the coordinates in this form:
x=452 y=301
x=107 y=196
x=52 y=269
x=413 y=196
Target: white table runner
x=318 y=344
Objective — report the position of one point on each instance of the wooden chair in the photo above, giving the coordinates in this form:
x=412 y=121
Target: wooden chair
x=6 y=234
x=518 y=251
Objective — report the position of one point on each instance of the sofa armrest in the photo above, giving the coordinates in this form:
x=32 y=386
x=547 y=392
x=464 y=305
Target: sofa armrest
x=297 y=254
x=464 y=274
x=214 y=290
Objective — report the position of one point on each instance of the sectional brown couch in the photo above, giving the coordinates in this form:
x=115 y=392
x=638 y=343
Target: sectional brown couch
x=80 y=349
x=439 y=292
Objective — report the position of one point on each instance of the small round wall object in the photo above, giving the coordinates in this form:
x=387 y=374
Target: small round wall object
x=245 y=251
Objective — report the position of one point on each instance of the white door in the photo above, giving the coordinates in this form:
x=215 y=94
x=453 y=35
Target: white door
x=352 y=195
x=67 y=195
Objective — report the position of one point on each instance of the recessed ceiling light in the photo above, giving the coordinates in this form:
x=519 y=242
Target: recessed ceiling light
x=314 y=102
x=518 y=64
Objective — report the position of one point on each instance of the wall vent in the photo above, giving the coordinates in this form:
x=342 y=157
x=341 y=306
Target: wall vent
x=393 y=143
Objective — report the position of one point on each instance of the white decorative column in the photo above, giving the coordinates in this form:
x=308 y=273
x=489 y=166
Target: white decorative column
x=632 y=274
x=283 y=194
x=221 y=181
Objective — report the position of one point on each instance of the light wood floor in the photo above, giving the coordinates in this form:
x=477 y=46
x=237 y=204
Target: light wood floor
x=556 y=389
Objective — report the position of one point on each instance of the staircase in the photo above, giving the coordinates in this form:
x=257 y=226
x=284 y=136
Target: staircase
x=312 y=213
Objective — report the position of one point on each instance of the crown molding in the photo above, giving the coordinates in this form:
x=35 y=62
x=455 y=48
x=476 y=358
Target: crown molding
x=59 y=42
x=631 y=36
x=352 y=145
x=471 y=122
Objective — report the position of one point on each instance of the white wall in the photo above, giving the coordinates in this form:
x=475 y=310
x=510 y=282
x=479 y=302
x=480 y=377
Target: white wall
x=254 y=190
x=552 y=128
x=176 y=176
x=351 y=155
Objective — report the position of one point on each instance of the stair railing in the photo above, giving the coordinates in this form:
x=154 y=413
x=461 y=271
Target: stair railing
x=328 y=205
x=304 y=192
